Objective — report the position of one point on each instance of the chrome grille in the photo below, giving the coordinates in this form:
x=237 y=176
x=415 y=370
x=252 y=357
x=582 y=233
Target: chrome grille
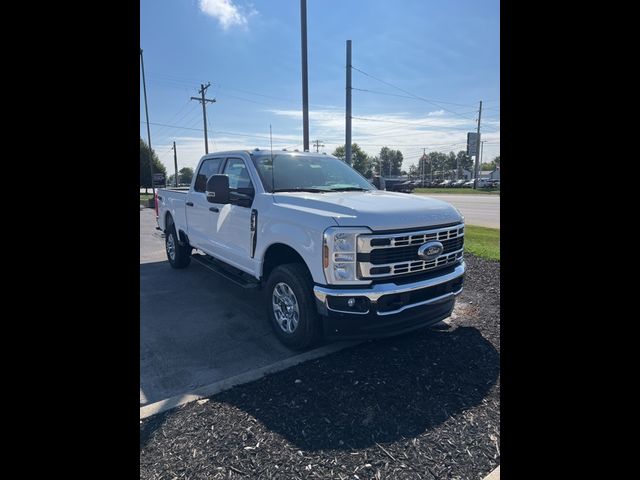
x=387 y=255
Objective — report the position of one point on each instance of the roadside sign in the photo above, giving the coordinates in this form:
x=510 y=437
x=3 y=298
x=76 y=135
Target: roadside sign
x=472 y=144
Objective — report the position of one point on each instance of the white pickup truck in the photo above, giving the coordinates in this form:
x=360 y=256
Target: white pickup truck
x=335 y=257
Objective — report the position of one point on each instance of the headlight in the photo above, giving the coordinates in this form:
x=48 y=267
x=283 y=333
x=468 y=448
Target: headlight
x=339 y=255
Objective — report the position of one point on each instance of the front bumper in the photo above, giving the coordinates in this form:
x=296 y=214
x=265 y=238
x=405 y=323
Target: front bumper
x=389 y=308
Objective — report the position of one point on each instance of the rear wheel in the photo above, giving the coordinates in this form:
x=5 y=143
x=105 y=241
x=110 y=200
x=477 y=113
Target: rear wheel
x=291 y=307
x=179 y=256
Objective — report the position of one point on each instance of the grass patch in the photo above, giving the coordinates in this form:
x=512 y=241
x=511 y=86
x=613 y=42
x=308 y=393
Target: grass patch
x=482 y=241
x=458 y=191
x=145 y=196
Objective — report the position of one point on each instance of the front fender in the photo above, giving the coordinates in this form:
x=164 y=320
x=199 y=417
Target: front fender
x=301 y=232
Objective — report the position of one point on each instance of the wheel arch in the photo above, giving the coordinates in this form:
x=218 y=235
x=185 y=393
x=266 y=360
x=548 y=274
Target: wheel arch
x=279 y=254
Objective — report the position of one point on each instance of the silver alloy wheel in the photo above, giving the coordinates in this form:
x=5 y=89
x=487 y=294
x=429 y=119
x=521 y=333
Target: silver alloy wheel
x=171 y=247
x=285 y=307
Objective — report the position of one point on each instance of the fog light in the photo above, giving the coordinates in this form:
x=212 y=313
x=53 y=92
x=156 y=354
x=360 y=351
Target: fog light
x=351 y=302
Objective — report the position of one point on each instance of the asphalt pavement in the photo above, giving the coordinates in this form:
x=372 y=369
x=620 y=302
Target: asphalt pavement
x=195 y=327
x=481 y=210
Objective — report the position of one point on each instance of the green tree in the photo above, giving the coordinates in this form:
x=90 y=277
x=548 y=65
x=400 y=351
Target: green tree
x=492 y=165
x=390 y=161
x=185 y=175
x=465 y=160
x=437 y=165
x=359 y=159
x=452 y=161
x=145 y=175
x=339 y=152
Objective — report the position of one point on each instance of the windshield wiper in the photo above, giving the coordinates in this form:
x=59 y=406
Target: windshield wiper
x=350 y=189
x=312 y=190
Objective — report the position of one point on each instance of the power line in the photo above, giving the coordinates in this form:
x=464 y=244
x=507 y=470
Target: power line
x=408 y=123
x=161 y=131
x=406 y=96
x=409 y=93
x=221 y=132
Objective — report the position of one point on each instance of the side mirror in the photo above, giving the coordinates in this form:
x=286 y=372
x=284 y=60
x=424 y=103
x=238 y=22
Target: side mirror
x=218 y=189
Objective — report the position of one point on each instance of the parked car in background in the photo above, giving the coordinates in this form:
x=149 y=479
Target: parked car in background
x=458 y=183
x=445 y=183
x=404 y=186
x=482 y=183
x=424 y=183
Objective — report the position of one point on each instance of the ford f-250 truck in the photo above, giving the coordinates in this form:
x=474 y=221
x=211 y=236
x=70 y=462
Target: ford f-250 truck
x=335 y=256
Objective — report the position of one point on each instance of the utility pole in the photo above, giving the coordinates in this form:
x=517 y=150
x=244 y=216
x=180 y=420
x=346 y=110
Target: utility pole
x=175 y=163
x=203 y=101
x=318 y=145
x=475 y=177
x=305 y=76
x=347 y=129
x=146 y=111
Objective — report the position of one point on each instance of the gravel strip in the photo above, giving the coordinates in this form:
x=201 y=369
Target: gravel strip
x=420 y=406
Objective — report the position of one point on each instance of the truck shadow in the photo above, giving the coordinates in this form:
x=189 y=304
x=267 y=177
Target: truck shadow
x=381 y=391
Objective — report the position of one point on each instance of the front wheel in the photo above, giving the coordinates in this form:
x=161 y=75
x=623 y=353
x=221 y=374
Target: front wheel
x=291 y=307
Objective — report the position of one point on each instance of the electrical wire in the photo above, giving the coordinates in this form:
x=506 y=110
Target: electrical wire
x=409 y=96
x=409 y=93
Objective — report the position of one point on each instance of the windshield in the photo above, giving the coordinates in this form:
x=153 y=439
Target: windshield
x=308 y=173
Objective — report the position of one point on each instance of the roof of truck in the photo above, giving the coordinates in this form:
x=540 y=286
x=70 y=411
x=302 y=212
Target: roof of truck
x=264 y=151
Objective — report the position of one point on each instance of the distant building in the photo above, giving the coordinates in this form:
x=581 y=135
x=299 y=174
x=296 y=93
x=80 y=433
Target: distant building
x=491 y=174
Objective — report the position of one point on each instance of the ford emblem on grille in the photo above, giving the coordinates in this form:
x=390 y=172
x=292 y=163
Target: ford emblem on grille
x=430 y=250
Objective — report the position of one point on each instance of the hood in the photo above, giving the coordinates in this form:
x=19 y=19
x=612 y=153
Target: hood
x=377 y=209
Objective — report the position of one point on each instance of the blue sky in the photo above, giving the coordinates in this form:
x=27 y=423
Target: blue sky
x=445 y=51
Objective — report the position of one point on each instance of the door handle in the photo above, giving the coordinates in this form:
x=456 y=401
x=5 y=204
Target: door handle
x=213 y=209
x=189 y=204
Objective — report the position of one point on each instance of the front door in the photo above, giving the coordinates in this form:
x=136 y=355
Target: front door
x=233 y=232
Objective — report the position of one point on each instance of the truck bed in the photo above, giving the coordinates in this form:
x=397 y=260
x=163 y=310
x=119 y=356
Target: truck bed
x=172 y=200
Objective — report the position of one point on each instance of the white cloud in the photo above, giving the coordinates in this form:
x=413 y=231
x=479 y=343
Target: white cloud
x=437 y=113
x=435 y=133
x=226 y=12
x=408 y=133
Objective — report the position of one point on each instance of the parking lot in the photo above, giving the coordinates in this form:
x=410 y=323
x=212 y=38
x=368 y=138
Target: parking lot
x=195 y=327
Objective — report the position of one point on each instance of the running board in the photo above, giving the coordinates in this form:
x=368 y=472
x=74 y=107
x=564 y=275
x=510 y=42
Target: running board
x=228 y=272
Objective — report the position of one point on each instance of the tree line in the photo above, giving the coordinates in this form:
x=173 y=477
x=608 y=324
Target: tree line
x=389 y=162
x=184 y=174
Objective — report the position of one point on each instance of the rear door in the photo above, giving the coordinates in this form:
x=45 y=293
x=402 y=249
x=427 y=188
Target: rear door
x=197 y=207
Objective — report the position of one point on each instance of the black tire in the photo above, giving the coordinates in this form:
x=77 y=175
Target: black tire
x=308 y=329
x=181 y=257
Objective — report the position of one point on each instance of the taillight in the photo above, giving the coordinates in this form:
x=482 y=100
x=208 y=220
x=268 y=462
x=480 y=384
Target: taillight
x=155 y=198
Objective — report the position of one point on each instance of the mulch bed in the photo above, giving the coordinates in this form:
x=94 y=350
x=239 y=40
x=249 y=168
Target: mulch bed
x=421 y=406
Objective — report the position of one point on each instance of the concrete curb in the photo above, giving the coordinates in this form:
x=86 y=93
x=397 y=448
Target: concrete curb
x=495 y=475
x=250 y=376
